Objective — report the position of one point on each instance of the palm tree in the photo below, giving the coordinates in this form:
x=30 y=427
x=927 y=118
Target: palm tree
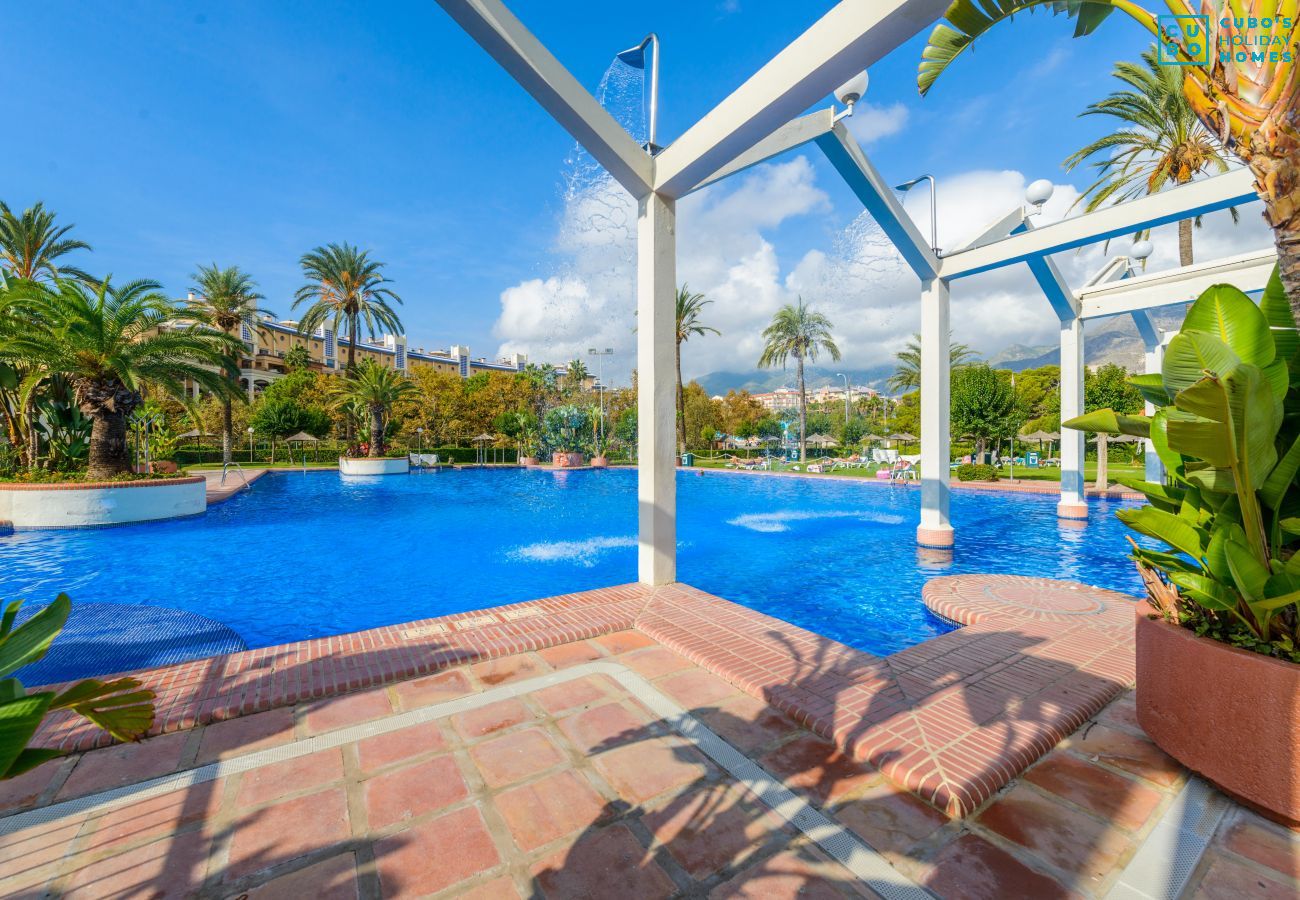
x=108 y=341
x=802 y=333
x=689 y=306
x=375 y=389
x=575 y=374
x=31 y=244
x=226 y=299
x=344 y=287
x=1163 y=144
x=1247 y=99
x=907 y=377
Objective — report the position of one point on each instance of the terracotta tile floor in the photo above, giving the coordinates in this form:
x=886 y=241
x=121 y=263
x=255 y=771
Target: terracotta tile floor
x=577 y=790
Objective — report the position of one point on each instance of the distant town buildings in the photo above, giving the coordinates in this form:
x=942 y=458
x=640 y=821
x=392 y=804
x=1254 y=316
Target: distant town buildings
x=784 y=398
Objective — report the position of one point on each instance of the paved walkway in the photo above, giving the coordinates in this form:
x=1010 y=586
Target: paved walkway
x=217 y=492
x=448 y=785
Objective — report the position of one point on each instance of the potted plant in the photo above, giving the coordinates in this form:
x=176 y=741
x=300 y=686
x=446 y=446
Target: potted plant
x=1218 y=640
x=565 y=429
x=600 y=452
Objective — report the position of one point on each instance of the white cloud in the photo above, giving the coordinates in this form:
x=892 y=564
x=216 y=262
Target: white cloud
x=727 y=249
x=870 y=122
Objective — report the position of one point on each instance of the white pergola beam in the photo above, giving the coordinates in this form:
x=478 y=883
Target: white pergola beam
x=524 y=57
x=1248 y=271
x=852 y=36
x=1230 y=189
x=878 y=197
x=796 y=133
x=996 y=230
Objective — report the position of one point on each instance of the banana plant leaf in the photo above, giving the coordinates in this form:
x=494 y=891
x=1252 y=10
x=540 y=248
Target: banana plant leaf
x=1277 y=312
x=19 y=719
x=1169 y=528
x=1107 y=421
x=115 y=706
x=1283 y=476
x=1229 y=315
x=29 y=642
x=1190 y=355
x=1152 y=388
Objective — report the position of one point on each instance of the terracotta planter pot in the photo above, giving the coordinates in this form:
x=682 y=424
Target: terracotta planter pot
x=567 y=460
x=1230 y=715
x=599 y=462
x=528 y=460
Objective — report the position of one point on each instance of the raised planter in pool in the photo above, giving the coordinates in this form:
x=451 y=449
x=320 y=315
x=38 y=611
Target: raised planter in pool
x=99 y=503
x=365 y=465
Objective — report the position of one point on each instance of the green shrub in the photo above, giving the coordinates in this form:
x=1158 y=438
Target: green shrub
x=1228 y=514
x=977 y=472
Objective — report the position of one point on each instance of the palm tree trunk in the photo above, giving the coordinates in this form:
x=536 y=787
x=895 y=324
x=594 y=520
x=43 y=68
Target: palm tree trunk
x=803 y=414
x=227 y=429
x=352 y=365
x=376 y=430
x=1273 y=156
x=1185 y=242
x=681 y=405
x=108 y=448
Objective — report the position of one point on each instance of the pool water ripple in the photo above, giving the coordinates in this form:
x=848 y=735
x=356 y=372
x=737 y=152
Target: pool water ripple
x=309 y=554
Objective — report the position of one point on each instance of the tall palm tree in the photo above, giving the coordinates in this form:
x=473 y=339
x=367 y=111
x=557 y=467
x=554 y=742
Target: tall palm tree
x=374 y=388
x=108 y=341
x=31 y=245
x=1162 y=144
x=907 y=377
x=802 y=333
x=689 y=307
x=1248 y=99
x=226 y=299
x=344 y=287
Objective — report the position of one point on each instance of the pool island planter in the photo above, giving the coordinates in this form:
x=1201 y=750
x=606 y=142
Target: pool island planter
x=600 y=462
x=374 y=465
x=95 y=504
x=528 y=461
x=1230 y=715
x=561 y=460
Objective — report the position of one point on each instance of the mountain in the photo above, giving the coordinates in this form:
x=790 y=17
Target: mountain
x=762 y=380
x=1112 y=340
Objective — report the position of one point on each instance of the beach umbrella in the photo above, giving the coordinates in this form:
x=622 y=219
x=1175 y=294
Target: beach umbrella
x=820 y=440
x=871 y=438
x=485 y=437
x=1040 y=436
x=195 y=433
x=303 y=436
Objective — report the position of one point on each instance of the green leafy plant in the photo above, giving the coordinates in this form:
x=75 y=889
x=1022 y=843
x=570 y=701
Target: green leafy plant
x=977 y=472
x=1227 y=428
x=120 y=707
x=566 y=428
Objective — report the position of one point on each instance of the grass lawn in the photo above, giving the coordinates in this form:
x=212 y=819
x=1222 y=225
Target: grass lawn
x=1022 y=473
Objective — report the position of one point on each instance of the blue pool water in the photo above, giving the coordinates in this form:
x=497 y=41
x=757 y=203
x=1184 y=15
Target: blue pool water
x=310 y=554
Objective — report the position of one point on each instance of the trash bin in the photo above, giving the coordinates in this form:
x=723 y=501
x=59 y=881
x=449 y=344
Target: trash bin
x=688 y=459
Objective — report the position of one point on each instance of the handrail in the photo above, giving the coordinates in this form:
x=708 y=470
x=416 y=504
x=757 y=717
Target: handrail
x=225 y=468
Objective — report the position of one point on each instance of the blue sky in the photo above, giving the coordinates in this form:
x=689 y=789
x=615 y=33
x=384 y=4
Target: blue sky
x=246 y=133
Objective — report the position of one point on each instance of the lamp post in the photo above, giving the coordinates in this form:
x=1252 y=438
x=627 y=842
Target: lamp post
x=934 y=220
x=250 y=445
x=419 y=434
x=600 y=378
x=848 y=393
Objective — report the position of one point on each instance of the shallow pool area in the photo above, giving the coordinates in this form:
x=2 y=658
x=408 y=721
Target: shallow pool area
x=312 y=554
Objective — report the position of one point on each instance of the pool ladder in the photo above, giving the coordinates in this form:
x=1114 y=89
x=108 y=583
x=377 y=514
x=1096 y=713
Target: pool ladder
x=225 y=469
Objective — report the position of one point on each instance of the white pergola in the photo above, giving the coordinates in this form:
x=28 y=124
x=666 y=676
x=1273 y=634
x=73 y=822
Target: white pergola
x=757 y=122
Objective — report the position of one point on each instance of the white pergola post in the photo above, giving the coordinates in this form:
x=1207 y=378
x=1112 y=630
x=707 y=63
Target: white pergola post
x=656 y=287
x=1154 y=359
x=935 y=530
x=1073 y=504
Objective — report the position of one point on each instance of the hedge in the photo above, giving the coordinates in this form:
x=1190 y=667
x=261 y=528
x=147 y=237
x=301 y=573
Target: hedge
x=979 y=472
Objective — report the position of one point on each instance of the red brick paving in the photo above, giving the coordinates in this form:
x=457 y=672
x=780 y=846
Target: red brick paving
x=953 y=718
x=645 y=808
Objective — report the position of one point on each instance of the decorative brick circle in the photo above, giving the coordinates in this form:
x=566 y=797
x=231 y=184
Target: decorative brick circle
x=967 y=599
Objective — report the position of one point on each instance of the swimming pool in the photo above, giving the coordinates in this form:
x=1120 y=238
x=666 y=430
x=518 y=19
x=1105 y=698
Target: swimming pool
x=311 y=554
